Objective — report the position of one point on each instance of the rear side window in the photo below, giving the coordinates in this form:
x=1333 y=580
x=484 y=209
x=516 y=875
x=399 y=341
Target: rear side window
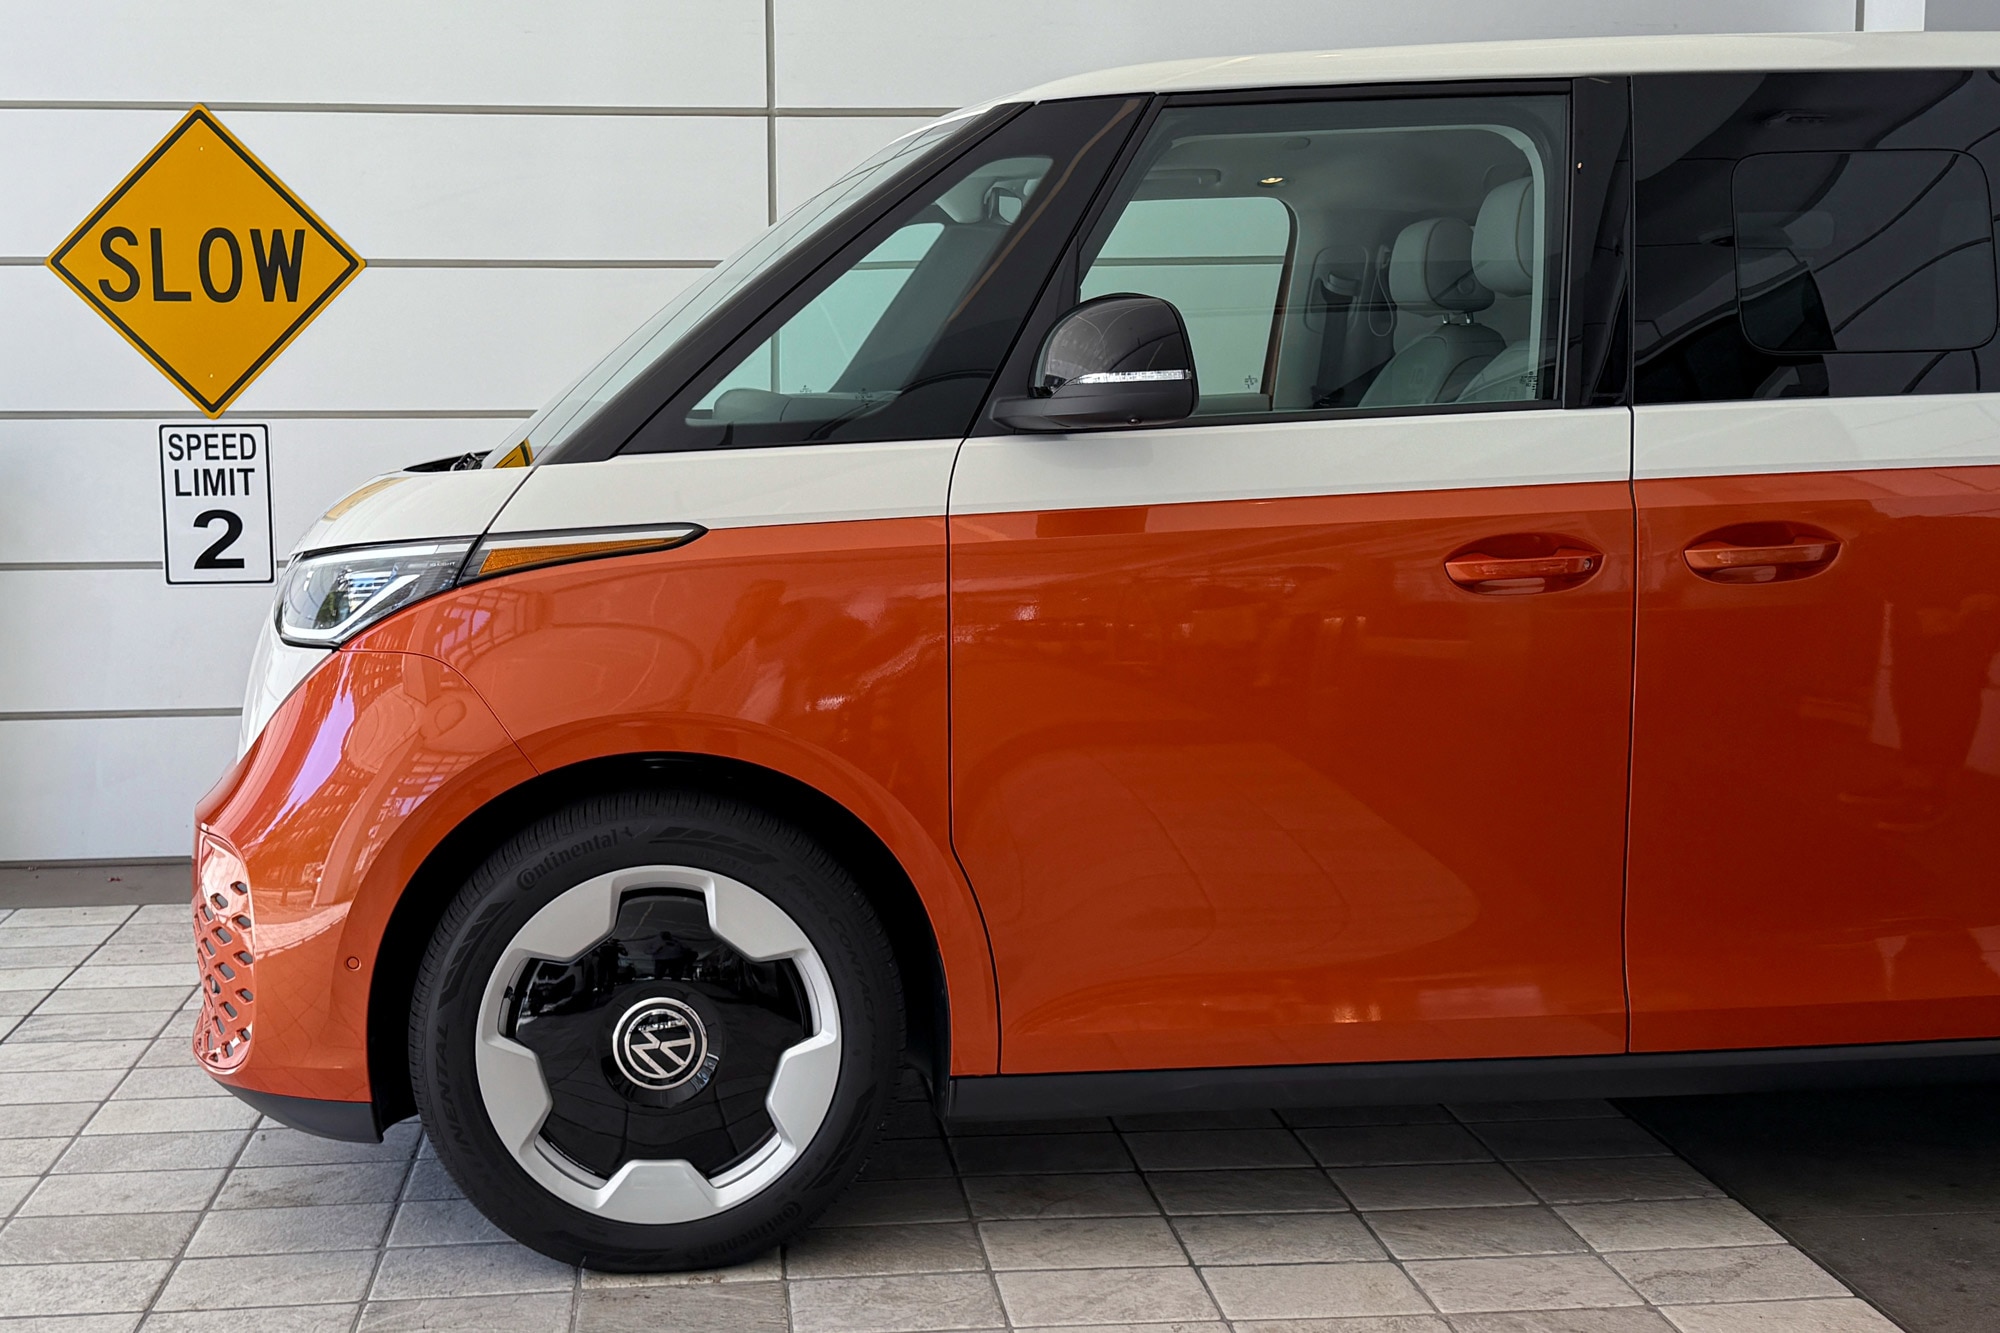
x=1883 y=251
x=1815 y=235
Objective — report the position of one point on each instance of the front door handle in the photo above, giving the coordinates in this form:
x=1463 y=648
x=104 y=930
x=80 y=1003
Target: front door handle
x=1522 y=562
x=1761 y=553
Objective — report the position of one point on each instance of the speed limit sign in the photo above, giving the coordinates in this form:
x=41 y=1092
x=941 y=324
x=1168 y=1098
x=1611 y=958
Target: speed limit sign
x=215 y=492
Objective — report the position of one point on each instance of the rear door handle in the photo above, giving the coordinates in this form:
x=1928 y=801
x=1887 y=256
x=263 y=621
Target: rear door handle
x=1761 y=553
x=1522 y=563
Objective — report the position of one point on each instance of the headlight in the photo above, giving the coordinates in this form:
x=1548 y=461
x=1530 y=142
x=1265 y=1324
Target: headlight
x=330 y=597
x=327 y=599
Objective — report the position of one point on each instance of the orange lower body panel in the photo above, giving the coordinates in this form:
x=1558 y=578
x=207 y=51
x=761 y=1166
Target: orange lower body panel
x=1254 y=783
x=1816 y=768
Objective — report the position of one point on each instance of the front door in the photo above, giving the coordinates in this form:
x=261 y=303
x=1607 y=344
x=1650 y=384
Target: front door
x=1816 y=770
x=1298 y=732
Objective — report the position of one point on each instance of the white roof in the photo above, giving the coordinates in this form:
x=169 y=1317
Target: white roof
x=1566 y=57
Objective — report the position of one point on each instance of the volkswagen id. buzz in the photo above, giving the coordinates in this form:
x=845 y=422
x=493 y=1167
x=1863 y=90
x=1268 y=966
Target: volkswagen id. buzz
x=1381 y=575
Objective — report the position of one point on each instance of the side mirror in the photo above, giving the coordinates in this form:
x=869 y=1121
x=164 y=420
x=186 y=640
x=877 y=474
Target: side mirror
x=1114 y=361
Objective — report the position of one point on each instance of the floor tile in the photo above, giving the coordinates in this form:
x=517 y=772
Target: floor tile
x=1314 y=1117
x=1277 y=1238
x=152 y=1152
x=1626 y=1319
x=1274 y=1190
x=1614 y=1179
x=1017 y=1154
x=979 y=1129
x=125 y=999
x=744 y=1307
x=931 y=1247
x=95 y=976
x=49 y=1119
x=908 y=1159
x=1582 y=1108
x=1758 y=1273
x=429 y=1181
x=766 y=1267
x=1093 y=1242
x=35 y=1055
x=244 y=1281
x=1121 y=1194
x=1471 y=1185
x=123 y=1192
x=1817 y=1316
x=1104 y=1296
x=172 y=1115
x=13 y=1189
x=467 y=1270
x=21 y=1157
x=1667 y=1224
x=87 y=1239
x=1211 y=1150
x=441 y=1222
x=262 y=1319
x=1544 y=1140
x=1473 y=1233
x=546 y=1313
x=901 y=1304
x=291 y=1230
x=57 y=1289
x=288 y=1147
x=299 y=1186
x=1393 y=1145
x=1314 y=1291
x=1244 y=1119
x=190 y=1080
x=1540 y=1282
x=1357 y=1323
x=107 y=916
x=890 y=1202
x=59 y=1085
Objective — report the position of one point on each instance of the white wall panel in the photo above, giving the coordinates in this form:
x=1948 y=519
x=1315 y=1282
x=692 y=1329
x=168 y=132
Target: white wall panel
x=813 y=151
x=478 y=52
x=119 y=639
x=395 y=340
x=89 y=491
x=430 y=186
x=107 y=787
x=1962 y=16
x=954 y=52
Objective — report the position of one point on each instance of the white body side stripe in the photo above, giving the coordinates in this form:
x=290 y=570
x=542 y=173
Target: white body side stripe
x=1817 y=435
x=1191 y=464
x=738 y=488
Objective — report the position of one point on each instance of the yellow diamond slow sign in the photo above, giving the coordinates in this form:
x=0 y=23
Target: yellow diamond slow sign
x=205 y=262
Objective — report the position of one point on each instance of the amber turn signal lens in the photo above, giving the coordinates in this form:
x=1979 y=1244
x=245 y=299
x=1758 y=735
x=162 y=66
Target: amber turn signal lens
x=507 y=554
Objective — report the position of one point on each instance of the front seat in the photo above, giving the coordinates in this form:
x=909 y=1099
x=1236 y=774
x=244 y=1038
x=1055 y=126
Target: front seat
x=1503 y=259
x=1431 y=278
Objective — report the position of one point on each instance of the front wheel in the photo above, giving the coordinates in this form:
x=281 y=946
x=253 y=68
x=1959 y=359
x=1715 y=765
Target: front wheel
x=655 y=1031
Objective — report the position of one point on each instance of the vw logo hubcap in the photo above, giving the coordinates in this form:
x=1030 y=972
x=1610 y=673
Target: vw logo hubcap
x=659 y=1044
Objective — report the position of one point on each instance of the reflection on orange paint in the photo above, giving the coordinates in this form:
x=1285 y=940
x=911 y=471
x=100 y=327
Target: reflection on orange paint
x=815 y=650
x=1255 y=783
x=1816 y=769
x=358 y=776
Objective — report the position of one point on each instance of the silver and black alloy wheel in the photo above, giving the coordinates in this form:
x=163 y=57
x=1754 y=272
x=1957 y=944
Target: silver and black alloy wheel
x=655 y=1031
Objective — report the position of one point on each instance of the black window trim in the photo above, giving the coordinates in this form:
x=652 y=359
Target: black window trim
x=632 y=407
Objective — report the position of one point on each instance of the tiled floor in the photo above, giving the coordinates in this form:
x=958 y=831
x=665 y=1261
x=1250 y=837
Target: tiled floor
x=137 y=1195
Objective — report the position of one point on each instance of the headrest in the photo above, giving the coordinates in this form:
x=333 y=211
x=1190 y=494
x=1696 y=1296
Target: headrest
x=1430 y=270
x=1503 y=240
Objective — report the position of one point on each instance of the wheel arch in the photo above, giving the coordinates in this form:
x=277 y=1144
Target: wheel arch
x=860 y=850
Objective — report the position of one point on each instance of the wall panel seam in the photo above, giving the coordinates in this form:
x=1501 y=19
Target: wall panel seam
x=117 y=714
x=298 y=414
x=454 y=109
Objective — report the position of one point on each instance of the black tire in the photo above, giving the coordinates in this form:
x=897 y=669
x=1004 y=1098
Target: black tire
x=614 y=832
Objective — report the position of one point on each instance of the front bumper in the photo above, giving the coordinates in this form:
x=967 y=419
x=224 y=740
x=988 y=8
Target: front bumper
x=324 y=821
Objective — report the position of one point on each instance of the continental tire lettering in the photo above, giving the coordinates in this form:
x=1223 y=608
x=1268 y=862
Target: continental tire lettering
x=562 y=856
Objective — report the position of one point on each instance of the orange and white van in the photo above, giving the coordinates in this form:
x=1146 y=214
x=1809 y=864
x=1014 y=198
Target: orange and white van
x=1461 y=571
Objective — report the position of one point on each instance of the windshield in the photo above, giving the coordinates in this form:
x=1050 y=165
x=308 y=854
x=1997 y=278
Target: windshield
x=581 y=401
